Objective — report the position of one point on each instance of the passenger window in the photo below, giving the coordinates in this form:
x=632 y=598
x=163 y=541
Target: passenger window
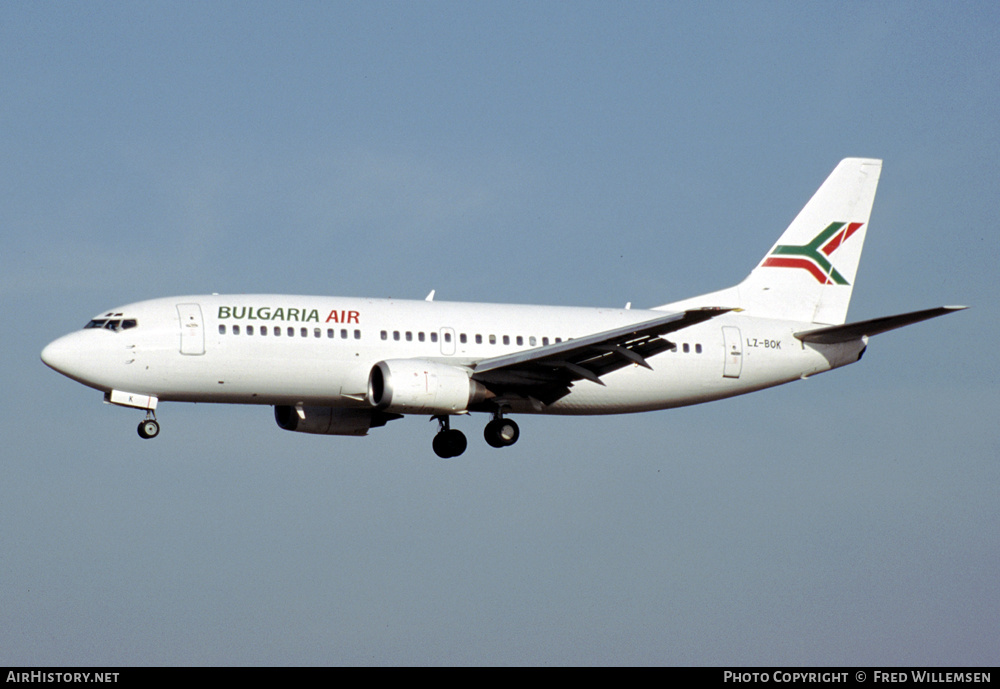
x=532 y=341
x=420 y=336
x=249 y=330
x=236 y=330
x=291 y=332
x=447 y=337
x=263 y=330
x=697 y=349
x=687 y=348
x=493 y=339
x=343 y=334
x=434 y=337
x=463 y=338
x=222 y=329
x=545 y=342
x=304 y=332
x=520 y=341
x=506 y=339
x=357 y=334
x=409 y=336
x=395 y=335
x=479 y=339
x=330 y=333
x=277 y=331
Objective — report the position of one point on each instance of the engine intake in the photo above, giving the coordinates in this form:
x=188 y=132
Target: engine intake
x=418 y=386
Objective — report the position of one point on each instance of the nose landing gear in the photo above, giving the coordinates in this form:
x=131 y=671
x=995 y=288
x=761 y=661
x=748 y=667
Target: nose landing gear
x=149 y=428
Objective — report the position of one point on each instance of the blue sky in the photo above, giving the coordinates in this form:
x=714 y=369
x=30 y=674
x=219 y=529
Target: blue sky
x=542 y=152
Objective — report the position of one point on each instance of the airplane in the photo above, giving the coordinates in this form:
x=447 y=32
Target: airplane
x=342 y=366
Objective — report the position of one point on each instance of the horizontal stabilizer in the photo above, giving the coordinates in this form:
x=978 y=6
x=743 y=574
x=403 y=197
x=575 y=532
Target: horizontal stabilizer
x=855 y=331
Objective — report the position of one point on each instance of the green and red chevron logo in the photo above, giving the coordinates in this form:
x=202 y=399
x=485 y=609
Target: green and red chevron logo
x=813 y=256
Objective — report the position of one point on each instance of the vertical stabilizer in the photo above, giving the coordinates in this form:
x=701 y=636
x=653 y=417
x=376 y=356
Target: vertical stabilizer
x=808 y=275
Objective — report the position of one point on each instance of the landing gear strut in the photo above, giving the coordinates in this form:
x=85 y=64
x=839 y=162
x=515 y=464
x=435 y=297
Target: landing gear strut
x=501 y=432
x=149 y=428
x=448 y=442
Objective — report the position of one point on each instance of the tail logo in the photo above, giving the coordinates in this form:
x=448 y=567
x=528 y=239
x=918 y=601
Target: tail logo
x=813 y=256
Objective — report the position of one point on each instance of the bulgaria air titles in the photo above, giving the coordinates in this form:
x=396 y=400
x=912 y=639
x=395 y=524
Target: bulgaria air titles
x=268 y=313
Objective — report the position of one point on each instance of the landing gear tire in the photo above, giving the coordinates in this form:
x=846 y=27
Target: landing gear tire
x=449 y=443
x=501 y=433
x=148 y=429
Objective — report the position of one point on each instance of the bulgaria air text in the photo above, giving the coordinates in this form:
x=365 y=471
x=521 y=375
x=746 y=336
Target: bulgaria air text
x=281 y=313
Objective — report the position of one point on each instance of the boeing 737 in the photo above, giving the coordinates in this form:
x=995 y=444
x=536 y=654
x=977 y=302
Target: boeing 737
x=341 y=366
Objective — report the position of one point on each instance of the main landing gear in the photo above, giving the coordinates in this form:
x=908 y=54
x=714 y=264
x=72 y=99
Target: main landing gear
x=149 y=428
x=501 y=432
x=450 y=442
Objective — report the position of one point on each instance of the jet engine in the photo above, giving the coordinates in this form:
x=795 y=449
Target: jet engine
x=330 y=420
x=418 y=386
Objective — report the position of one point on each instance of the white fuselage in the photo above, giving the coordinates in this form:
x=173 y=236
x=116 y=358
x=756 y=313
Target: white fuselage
x=291 y=350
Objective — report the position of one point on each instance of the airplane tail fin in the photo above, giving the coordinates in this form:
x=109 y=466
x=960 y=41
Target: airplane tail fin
x=808 y=275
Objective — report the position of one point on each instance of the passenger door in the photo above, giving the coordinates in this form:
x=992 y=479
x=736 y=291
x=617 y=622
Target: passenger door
x=192 y=329
x=734 y=352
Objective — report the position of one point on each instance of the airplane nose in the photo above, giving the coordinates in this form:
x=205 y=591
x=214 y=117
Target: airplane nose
x=86 y=356
x=60 y=355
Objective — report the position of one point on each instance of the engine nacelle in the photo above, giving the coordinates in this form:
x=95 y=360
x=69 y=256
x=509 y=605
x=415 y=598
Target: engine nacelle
x=418 y=386
x=330 y=420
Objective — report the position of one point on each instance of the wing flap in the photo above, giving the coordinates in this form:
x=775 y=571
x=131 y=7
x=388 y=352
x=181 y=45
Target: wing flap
x=547 y=373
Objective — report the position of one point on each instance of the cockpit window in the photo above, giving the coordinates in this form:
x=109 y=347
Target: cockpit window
x=114 y=324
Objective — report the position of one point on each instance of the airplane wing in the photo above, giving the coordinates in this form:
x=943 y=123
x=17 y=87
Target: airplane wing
x=855 y=331
x=547 y=373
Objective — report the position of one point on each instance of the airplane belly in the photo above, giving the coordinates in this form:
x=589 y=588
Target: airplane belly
x=638 y=389
x=680 y=379
x=216 y=377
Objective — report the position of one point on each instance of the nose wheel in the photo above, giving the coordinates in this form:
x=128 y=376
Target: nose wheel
x=149 y=428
